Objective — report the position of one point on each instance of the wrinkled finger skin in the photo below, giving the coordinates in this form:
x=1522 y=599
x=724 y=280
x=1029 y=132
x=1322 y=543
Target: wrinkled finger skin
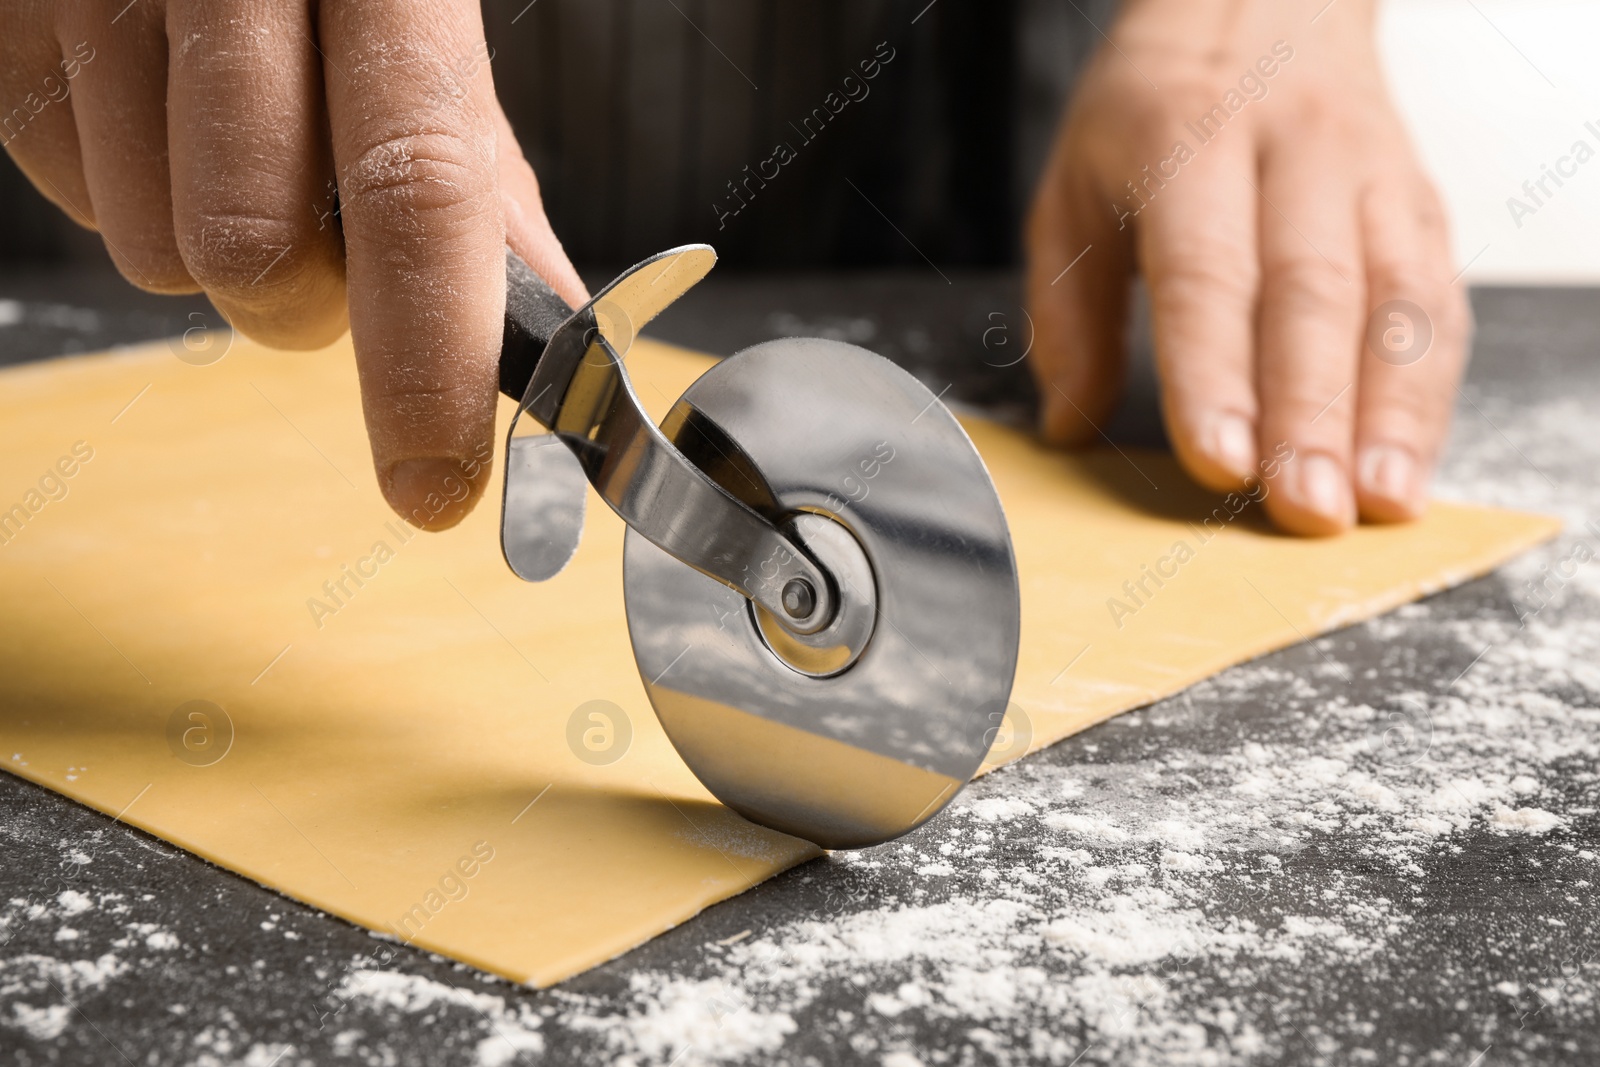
x=1309 y=328
x=309 y=167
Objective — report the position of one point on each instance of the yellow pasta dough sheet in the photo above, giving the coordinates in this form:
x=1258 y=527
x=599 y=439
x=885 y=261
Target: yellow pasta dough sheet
x=214 y=629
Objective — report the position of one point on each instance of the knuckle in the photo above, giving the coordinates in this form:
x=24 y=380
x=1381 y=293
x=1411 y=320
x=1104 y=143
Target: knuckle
x=1313 y=286
x=1148 y=123
x=1200 y=90
x=1404 y=410
x=414 y=182
x=1390 y=278
x=1319 y=113
x=412 y=401
x=246 y=257
x=427 y=410
x=1309 y=407
x=1192 y=275
x=1153 y=122
x=152 y=265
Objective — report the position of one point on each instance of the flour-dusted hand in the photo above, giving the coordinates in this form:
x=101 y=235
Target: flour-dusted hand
x=1246 y=159
x=210 y=142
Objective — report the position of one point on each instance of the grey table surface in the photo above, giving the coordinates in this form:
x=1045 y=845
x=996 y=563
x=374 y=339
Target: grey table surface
x=1377 y=847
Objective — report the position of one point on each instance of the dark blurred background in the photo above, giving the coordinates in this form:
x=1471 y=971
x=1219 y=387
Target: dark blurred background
x=637 y=114
x=895 y=225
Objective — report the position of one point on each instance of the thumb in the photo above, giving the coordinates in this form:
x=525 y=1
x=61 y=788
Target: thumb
x=1077 y=292
x=528 y=231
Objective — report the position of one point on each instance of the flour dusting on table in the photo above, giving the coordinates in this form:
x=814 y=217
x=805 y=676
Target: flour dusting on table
x=1250 y=872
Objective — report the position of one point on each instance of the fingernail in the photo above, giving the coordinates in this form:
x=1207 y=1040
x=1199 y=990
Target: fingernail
x=1324 y=488
x=1390 y=473
x=1233 y=444
x=431 y=493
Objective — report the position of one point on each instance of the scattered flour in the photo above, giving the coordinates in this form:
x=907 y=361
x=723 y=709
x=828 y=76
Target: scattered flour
x=901 y=1058
x=1143 y=909
x=37 y=991
x=511 y=1031
x=1154 y=907
x=162 y=941
x=1148 y=911
x=1527 y=820
x=73 y=902
x=41 y=1024
x=685 y=1022
x=994 y=809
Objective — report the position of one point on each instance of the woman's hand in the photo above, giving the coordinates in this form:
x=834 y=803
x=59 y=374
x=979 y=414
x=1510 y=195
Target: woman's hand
x=205 y=139
x=1246 y=159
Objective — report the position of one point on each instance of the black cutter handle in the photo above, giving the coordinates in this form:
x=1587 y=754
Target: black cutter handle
x=533 y=312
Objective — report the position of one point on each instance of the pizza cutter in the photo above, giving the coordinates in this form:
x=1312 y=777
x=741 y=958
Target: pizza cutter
x=820 y=586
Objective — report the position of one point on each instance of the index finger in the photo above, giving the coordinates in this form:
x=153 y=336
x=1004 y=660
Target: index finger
x=411 y=106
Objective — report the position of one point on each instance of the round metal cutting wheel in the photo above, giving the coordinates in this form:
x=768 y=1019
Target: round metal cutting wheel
x=863 y=730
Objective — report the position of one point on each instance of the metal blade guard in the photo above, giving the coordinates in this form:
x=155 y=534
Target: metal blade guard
x=820 y=585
